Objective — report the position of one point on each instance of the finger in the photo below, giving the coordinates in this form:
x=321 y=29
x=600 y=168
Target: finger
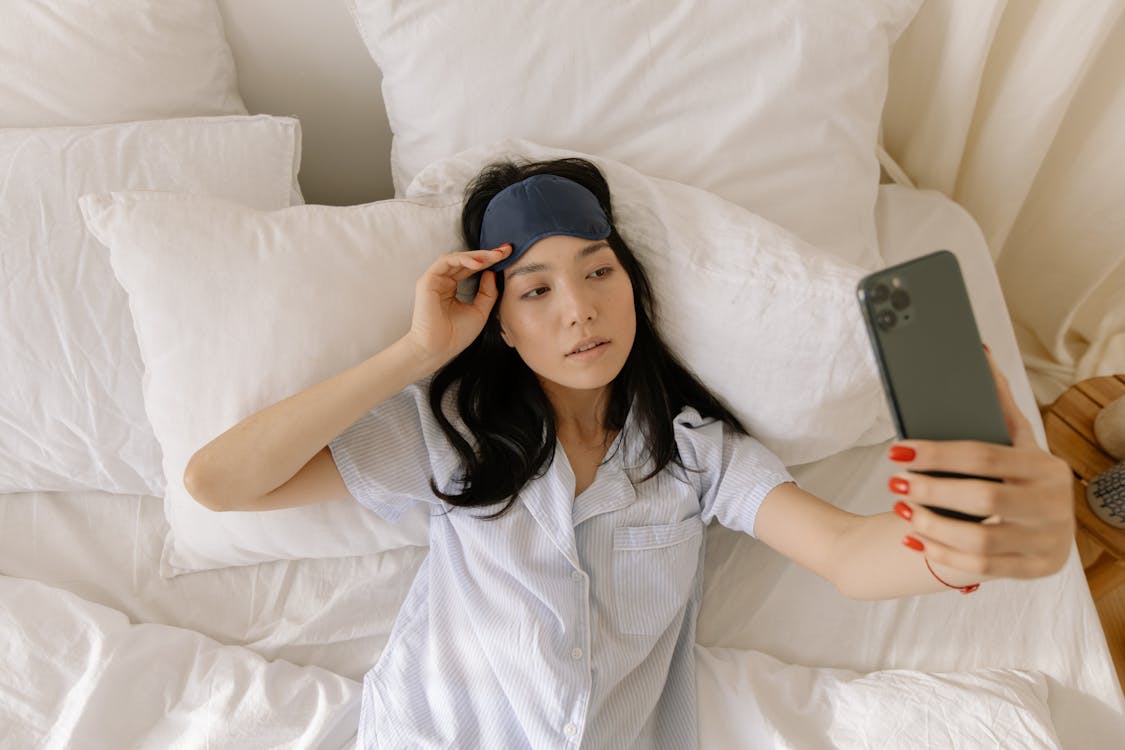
x=976 y=496
x=987 y=540
x=970 y=457
x=1019 y=429
x=486 y=293
x=1012 y=565
x=468 y=262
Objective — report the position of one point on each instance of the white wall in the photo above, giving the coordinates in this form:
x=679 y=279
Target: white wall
x=305 y=58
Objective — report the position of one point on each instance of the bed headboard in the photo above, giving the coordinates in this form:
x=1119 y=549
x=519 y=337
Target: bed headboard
x=305 y=58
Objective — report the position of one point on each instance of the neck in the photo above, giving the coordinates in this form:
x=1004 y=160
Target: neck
x=579 y=414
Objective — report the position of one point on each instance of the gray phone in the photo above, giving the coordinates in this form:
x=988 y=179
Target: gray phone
x=935 y=373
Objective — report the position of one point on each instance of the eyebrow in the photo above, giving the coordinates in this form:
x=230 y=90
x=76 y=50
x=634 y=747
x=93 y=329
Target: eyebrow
x=590 y=249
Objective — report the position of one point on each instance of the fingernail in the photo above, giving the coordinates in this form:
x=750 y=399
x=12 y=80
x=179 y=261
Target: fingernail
x=903 y=511
x=899 y=485
x=986 y=348
x=913 y=543
x=901 y=453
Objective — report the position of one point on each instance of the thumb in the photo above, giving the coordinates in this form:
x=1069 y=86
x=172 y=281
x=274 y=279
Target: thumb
x=486 y=293
x=1019 y=429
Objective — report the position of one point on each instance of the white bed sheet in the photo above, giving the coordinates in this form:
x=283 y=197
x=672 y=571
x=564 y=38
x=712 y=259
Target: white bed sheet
x=83 y=552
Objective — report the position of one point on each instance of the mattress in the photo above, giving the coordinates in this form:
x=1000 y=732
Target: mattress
x=101 y=651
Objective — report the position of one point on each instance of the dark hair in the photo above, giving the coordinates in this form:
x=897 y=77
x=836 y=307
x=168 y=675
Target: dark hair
x=514 y=423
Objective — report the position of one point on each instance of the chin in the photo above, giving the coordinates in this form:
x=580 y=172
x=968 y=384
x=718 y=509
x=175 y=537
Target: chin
x=591 y=379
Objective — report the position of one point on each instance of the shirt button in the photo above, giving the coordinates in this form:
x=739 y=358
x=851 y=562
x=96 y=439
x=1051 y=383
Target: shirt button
x=576 y=653
x=570 y=730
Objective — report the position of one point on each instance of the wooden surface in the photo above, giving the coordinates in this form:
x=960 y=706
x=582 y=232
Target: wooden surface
x=1069 y=424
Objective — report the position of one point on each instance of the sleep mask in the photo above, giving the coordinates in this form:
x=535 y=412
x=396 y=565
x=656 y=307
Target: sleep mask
x=540 y=206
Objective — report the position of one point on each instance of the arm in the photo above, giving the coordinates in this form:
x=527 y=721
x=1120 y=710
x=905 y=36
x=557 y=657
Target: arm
x=259 y=454
x=1027 y=534
x=239 y=469
x=862 y=556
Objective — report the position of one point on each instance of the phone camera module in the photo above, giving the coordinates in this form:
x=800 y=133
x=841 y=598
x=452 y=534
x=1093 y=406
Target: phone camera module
x=880 y=293
x=886 y=319
x=900 y=300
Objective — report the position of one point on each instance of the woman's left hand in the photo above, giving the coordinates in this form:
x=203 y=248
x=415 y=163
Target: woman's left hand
x=1030 y=515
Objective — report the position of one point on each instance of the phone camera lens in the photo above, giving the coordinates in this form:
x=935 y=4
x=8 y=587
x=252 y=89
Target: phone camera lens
x=900 y=300
x=886 y=319
x=880 y=293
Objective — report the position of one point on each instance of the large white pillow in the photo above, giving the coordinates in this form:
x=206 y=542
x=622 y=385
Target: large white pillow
x=265 y=304
x=771 y=104
x=71 y=408
x=769 y=322
x=78 y=62
x=236 y=309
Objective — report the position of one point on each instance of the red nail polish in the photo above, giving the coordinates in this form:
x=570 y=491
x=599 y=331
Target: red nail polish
x=899 y=485
x=913 y=543
x=904 y=511
x=901 y=453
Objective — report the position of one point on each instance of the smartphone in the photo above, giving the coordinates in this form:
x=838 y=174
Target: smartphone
x=933 y=366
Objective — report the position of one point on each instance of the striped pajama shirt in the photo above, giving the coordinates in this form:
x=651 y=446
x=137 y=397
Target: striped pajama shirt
x=568 y=622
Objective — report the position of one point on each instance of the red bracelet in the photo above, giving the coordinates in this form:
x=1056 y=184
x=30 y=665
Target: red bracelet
x=963 y=589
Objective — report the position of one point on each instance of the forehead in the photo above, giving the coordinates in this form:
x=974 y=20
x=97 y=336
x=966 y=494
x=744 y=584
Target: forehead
x=558 y=249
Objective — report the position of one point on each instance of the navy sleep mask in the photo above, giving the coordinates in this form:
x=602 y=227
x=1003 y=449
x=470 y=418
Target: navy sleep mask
x=538 y=207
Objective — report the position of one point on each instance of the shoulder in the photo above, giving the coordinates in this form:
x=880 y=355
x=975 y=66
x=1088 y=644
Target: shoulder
x=716 y=443
x=689 y=418
x=693 y=430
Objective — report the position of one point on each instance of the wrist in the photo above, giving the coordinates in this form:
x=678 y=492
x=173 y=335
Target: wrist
x=953 y=578
x=420 y=361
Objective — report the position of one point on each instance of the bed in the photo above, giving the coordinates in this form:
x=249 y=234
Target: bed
x=114 y=636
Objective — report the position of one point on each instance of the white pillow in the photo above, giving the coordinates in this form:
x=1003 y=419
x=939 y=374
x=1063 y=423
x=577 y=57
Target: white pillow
x=236 y=309
x=77 y=62
x=71 y=405
x=771 y=104
x=750 y=699
x=790 y=354
x=768 y=322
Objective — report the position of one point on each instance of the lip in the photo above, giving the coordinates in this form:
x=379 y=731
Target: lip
x=589 y=352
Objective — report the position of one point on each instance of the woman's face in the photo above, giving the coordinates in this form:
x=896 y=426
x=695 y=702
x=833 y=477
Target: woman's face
x=563 y=295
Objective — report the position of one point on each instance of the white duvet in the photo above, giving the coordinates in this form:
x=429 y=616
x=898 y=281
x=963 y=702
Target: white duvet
x=98 y=650
x=80 y=675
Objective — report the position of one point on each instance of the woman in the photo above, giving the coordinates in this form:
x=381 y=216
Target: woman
x=572 y=464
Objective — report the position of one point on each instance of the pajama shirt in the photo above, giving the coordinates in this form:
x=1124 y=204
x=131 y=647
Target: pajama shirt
x=568 y=622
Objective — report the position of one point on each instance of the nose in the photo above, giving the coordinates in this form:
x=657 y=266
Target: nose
x=579 y=305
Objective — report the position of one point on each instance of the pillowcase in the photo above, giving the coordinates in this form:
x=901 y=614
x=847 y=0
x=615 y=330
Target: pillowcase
x=236 y=309
x=768 y=322
x=71 y=406
x=772 y=104
x=77 y=62
x=750 y=699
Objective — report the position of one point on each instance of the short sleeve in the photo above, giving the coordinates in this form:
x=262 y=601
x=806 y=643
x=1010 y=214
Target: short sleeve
x=388 y=456
x=736 y=471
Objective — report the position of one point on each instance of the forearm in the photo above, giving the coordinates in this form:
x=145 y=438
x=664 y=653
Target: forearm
x=871 y=562
x=265 y=450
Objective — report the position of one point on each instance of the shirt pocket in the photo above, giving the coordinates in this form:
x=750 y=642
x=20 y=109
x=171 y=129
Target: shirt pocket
x=653 y=571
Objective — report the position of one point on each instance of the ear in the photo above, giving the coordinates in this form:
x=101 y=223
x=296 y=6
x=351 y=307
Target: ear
x=504 y=335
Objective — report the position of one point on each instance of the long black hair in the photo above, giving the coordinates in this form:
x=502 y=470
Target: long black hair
x=499 y=397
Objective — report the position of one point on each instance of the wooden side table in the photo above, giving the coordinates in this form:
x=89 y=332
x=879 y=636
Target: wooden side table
x=1069 y=424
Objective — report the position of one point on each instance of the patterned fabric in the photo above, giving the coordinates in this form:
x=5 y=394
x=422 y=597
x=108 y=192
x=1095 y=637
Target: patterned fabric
x=568 y=622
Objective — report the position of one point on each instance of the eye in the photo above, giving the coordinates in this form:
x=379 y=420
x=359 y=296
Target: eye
x=536 y=292
x=601 y=273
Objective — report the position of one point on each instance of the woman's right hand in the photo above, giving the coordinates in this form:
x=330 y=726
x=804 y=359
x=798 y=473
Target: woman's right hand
x=442 y=325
